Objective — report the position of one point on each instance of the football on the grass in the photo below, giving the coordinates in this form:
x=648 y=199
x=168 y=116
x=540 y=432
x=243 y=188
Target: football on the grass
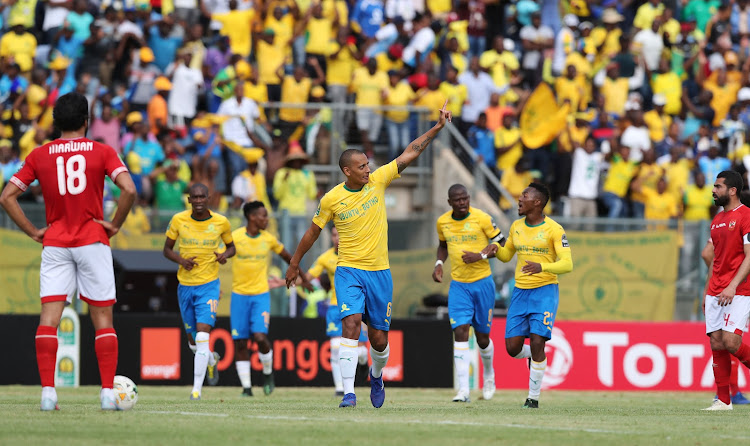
x=126 y=392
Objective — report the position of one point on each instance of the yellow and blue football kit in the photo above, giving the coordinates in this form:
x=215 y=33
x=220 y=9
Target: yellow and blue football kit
x=198 y=289
x=533 y=305
x=250 y=309
x=362 y=279
x=327 y=262
x=471 y=296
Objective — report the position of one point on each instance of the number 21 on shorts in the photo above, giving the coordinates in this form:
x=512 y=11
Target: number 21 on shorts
x=71 y=175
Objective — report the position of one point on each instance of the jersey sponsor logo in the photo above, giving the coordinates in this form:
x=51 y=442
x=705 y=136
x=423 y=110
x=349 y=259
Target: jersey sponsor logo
x=565 y=243
x=732 y=224
x=467 y=226
x=211 y=229
x=720 y=225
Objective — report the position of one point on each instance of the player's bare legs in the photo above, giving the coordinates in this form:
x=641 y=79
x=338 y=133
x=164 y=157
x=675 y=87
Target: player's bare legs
x=106 y=346
x=46 y=351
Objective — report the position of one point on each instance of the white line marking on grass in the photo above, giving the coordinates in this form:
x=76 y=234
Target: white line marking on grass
x=194 y=414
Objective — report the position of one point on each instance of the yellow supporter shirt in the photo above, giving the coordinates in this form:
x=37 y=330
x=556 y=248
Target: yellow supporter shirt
x=698 y=202
x=439 y=6
x=609 y=41
x=34 y=97
x=456 y=95
x=318 y=36
x=649 y=175
x=671 y=27
x=22 y=48
x=471 y=233
x=282 y=32
x=386 y=64
x=199 y=239
x=258 y=93
x=670 y=85
x=678 y=176
x=566 y=140
x=500 y=65
x=258 y=181
x=293 y=187
x=514 y=183
x=658 y=125
x=568 y=89
x=615 y=94
x=369 y=88
x=250 y=264
x=659 y=206
x=545 y=243
x=433 y=100
x=401 y=94
x=341 y=67
x=326 y=262
x=503 y=138
x=723 y=99
x=646 y=14
x=620 y=174
x=270 y=58
x=360 y=218
x=293 y=92
x=237 y=25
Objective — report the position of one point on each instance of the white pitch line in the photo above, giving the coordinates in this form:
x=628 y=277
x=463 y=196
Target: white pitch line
x=194 y=414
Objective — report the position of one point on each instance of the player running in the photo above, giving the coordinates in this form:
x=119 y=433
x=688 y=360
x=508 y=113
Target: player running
x=76 y=255
x=727 y=302
x=326 y=262
x=364 y=287
x=543 y=253
x=251 y=302
x=462 y=232
x=200 y=233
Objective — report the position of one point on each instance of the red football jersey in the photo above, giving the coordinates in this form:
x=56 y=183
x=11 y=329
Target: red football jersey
x=71 y=173
x=729 y=233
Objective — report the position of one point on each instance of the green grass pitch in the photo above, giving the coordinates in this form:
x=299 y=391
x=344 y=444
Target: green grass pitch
x=296 y=416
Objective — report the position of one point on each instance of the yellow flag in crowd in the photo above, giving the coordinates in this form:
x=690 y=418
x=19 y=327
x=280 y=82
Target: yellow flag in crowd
x=541 y=119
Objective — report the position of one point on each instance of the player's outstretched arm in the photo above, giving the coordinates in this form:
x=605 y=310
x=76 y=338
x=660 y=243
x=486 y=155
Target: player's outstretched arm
x=305 y=244
x=9 y=202
x=127 y=197
x=417 y=146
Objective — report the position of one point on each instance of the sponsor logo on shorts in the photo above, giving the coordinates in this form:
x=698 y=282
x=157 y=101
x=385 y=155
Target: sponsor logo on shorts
x=344 y=308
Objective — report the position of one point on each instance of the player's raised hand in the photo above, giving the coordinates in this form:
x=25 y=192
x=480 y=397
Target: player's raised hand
x=221 y=257
x=109 y=227
x=445 y=115
x=39 y=234
x=291 y=275
x=471 y=257
x=725 y=297
x=188 y=264
x=531 y=268
x=437 y=274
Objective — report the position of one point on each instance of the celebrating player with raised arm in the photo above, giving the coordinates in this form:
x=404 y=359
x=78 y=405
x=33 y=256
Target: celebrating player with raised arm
x=727 y=299
x=200 y=233
x=543 y=253
x=76 y=255
x=462 y=231
x=364 y=287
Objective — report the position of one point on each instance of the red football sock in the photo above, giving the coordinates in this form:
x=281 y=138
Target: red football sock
x=733 y=376
x=722 y=370
x=743 y=354
x=106 y=353
x=46 y=354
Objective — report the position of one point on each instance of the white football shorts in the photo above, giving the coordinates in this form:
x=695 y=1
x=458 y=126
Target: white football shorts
x=88 y=269
x=732 y=318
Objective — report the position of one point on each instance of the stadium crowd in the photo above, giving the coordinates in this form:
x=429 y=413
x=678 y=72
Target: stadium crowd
x=658 y=92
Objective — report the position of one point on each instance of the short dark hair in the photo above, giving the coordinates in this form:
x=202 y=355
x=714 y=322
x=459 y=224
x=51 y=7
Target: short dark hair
x=250 y=207
x=456 y=188
x=71 y=112
x=543 y=191
x=733 y=179
x=346 y=157
x=198 y=186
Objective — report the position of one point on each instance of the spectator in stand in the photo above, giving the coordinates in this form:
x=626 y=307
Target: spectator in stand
x=168 y=188
x=535 y=38
x=318 y=29
x=456 y=94
x=724 y=93
x=565 y=43
x=369 y=85
x=343 y=57
x=479 y=89
x=106 y=128
x=398 y=93
x=500 y=62
x=12 y=85
x=646 y=176
x=606 y=40
x=9 y=161
x=515 y=180
x=712 y=164
x=293 y=187
x=570 y=88
x=584 y=179
x=698 y=199
x=237 y=25
x=508 y=146
x=164 y=40
x=647 y=13
x=650 y=44
x=186 y=83
x=572 y=137
x=667 y=83
x=295 y=89
x=659 y=203
x=657 y=121
x=367 y=17
x=142 y=77
x=18 y=46
x=250 y=184
x=80 y=20
x=482 y=140
x=676 y=170
x=157 y=110
x=431 y=98
x=241 y=114
x=614 y=88
x=421 y=44
x=142 y=154
x=620 y=174
x=636 y=135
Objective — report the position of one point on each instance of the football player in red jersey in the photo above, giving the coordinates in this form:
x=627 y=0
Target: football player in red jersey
x=76 y=254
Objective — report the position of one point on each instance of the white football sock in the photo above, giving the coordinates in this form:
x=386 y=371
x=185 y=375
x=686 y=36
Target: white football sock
x=243 y=372
x=200 y=361
x=487 y=355
x=536 y=373
x=379 y=360
x=525 y=352
x=362 y=355
x=267 y=360
x=348 y=363
x=461 y=361
x=335 y=367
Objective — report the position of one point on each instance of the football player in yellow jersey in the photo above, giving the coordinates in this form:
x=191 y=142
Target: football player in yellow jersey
x=200 y=233
x=250 y=310
x=326 y=262
x=462 y=232
x=543 y=253
x=364 y=287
